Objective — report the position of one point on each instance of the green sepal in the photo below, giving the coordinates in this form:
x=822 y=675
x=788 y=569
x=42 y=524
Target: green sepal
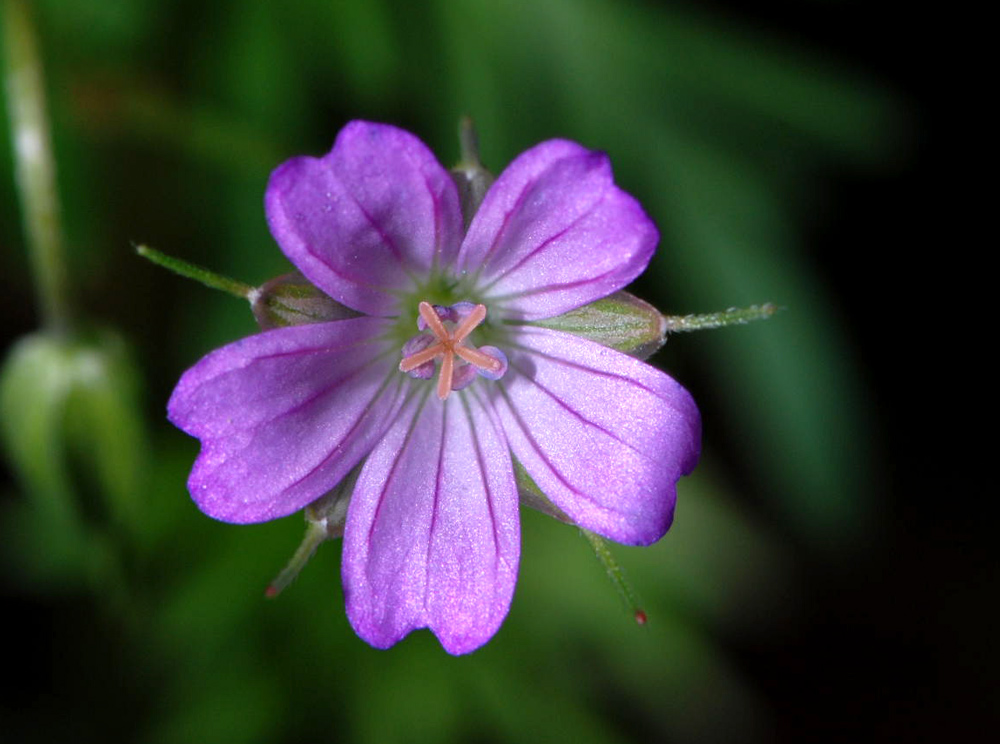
x=531 y=495
x=325 y=519
x=471 y=178
x=330 y=510
x=620 y=321
x=291 y=299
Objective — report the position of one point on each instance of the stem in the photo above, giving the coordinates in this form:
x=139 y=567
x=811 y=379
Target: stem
x=34 y=165
x=198 y=273
x=468 y=141
x=616 y=574
x=316 y=534
x=730 y=317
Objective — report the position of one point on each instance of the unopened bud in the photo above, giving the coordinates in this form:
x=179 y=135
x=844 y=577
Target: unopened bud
x=70 y=411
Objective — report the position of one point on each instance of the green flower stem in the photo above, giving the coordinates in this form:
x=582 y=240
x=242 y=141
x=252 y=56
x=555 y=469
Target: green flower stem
x=732 y=316
x=468 y=143
x=316 y=535
x=34 y=165
x=616 y=574
x=198 y=273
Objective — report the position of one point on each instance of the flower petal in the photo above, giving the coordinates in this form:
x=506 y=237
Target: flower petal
x=366 y=219
x=432 y=536
x=554 y=232
x=283 y=415
x=604 y=436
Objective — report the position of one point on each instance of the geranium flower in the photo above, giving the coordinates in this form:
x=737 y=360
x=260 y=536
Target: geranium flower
x=444 y=380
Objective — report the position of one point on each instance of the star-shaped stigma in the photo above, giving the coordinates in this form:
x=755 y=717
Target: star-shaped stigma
x=420 y=352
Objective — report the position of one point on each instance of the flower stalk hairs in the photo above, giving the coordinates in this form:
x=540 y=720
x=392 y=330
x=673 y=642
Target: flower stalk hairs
x=450 y=345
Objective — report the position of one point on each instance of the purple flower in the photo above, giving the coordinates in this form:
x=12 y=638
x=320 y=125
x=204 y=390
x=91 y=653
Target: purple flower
x=432 y=534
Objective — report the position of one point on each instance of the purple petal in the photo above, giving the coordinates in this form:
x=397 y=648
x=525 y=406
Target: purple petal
x=604 y=436
x=367 y=218
x=554 y=233
x=432 y=533
x=282 y=416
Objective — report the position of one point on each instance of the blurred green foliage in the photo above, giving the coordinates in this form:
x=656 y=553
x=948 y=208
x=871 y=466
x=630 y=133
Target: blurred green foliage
x=168 y=117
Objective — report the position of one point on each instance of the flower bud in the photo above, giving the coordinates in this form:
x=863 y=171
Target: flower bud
x=71 y=426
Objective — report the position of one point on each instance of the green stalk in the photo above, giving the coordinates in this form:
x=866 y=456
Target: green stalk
x=316 y=535
x=34 y=165
x=617 y=575
x=198 y=273
x=732 y=316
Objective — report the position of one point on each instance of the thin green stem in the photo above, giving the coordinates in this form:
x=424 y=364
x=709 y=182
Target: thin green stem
x=316 y=535
x=468 y=143
x=34 y=164
x=732 y=316
x=198 y=273
x=616 y=574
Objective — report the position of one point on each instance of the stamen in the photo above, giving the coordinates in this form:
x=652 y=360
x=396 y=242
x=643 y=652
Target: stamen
x=432 y=320
x=479 y=359
x=473 y=319
x=431 y=353
x=454 y=374
x=444 y=379
x=419 y=366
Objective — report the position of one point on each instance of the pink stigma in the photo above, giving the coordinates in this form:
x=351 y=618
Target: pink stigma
x=447 y=345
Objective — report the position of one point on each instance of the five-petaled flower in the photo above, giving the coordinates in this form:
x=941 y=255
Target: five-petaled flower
x=432 y=532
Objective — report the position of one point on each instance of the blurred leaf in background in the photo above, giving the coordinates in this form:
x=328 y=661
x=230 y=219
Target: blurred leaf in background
x=169 y=116
x=68 y=392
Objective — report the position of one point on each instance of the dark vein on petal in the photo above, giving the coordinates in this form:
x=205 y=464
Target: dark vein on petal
x=552 y=288
x=480 y=460
x=545 y=459
x=541 y=246
x=350 y=433
x=434 y=505
x=438 y=212
x=389 y=243
x=311 y=251
x=386 y=240
x=504 y=224
x=578 y=415
x=329 y=388
x=416 y=391
x=628 y=379
x=299 y=351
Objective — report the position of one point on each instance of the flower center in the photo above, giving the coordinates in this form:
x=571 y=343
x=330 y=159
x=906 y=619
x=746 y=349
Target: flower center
x=448 y=341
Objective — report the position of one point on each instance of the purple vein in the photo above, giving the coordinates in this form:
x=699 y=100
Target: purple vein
x=552 y=238
x=544 y=458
